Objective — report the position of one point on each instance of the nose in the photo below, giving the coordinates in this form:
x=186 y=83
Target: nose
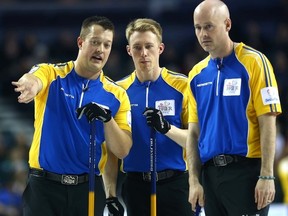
x=203 y=33
x=144 y=52
x=100 y=48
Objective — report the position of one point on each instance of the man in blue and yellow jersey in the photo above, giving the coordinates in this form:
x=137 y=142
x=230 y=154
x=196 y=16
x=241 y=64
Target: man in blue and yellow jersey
x=59 y=154
x=233 y=104
x=157 y=97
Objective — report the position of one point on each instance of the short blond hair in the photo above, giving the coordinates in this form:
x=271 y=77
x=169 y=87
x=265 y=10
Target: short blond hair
x=143 y=25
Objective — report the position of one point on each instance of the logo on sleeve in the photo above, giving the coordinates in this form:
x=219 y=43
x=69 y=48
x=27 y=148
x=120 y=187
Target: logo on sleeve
x=270 y=95
x=167 y=107
x=232 y=87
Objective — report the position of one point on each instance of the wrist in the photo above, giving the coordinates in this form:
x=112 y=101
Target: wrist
x=266 y=177
x=168 y=127
x=193 y=179
x=106 y=115
x=107 y=120
x=111 y=199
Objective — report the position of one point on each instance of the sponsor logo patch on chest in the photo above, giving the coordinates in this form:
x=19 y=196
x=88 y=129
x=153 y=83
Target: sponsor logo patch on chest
x=167 y=107
x=232 y=87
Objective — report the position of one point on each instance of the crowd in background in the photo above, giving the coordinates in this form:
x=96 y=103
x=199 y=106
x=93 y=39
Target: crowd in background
x=29 y=36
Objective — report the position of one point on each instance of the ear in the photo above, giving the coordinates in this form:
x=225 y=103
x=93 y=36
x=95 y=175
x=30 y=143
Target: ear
x=79 y=42
x=161 y=48
x=128 y=50
x=228 y=24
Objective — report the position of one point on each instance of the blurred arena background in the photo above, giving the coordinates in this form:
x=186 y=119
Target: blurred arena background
x=35 y=31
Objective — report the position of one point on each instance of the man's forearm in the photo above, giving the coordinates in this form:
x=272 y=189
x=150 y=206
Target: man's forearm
x=193 y=158
x=110 y=175
x=118 y=141
x=267 y=139
x=177 y=135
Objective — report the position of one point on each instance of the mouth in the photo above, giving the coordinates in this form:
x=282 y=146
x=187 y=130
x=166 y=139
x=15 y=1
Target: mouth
x=206 y=42
x=97 y=58
x=144 y=61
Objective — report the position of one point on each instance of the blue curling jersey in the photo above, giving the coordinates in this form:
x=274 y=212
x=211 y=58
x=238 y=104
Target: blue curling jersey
x=168 y=94
x=226 y=96
x=61 y=141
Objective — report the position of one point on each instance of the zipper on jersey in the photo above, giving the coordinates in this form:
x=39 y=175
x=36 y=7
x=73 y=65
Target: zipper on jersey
x=147 y=93
x=84 y=89
x=219 y=67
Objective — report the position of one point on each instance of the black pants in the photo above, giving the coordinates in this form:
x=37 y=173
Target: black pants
x=229 y=190
x=172 y=196
x=49 y=198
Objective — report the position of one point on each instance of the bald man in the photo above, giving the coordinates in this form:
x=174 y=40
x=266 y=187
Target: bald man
x=233 y=104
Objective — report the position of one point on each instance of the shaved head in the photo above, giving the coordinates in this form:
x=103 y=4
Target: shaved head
x=213 y=8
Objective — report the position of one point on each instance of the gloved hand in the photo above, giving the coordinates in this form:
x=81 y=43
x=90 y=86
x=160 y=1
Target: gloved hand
x=155 y=119
x=115 y=208
x=93 y=111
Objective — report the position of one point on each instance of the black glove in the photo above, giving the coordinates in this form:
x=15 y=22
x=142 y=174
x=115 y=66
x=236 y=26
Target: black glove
x=115 y=208
x=93 y=111
x=155 y=119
